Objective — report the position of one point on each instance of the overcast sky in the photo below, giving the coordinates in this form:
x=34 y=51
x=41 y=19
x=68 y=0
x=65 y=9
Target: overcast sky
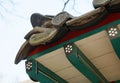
x=15 y=24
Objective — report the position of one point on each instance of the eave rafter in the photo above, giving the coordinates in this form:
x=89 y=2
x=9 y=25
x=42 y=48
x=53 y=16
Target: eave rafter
x=114 y=36
x=83 y=64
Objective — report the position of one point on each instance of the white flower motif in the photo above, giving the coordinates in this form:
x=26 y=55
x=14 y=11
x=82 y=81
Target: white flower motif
x=68 y=49
x=28 y=65
x=112 y=32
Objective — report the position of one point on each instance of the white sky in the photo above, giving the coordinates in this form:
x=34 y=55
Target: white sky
x=15 y=24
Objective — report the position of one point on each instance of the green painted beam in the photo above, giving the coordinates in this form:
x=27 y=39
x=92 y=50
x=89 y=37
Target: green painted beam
x=31 y=69
x=114 y=36
x=50 y=74
x=38 y=72
x=42 y=78
x=83 y=64
x=116 y=45
x=117 y=81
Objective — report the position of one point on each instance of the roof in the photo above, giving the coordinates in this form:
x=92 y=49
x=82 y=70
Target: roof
x=85 y=49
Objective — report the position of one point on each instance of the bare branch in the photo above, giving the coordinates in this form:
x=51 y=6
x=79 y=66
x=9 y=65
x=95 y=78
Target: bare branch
x=74 y=4
x=75 y=8
x=3 y=7
x=1 y=16
x=11 y=1
x=65 y=5
x=9 y=10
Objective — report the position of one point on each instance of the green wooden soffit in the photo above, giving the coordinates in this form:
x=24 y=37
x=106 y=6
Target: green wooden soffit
x=114 y=35
x=117 y=81
x=83 y=64
x=75 y=39
x=42 y=74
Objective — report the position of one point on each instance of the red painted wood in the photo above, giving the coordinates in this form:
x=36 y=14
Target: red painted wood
x=72 y=34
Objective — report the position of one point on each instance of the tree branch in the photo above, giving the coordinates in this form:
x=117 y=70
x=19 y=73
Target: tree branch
x=75 y=8
x=65 y=5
